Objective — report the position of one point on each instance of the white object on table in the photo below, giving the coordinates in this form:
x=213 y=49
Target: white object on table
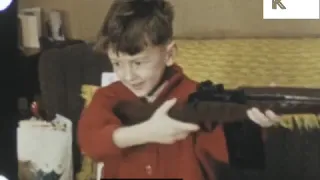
x=31 y=27
x=56 y=25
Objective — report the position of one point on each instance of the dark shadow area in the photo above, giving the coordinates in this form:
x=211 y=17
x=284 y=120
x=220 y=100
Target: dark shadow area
x=9 y=90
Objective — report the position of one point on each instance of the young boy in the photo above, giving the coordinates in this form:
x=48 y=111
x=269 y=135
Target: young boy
x=138 y=37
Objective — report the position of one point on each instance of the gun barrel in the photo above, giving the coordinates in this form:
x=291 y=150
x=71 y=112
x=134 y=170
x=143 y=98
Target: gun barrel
x=302 y=98
x=281 y=97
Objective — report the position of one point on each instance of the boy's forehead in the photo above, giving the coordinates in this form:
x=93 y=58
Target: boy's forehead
x=113 y=55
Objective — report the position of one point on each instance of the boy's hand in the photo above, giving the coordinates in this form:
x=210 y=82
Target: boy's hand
x=161 y=128
x=266 y=119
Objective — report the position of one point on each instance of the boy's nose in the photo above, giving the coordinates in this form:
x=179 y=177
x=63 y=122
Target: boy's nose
x=129 y=75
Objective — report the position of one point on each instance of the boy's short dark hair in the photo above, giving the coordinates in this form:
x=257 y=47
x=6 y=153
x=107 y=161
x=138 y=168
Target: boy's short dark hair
x=132 y=25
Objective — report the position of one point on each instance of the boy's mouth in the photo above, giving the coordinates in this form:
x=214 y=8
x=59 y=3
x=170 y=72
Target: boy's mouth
x=137 y=86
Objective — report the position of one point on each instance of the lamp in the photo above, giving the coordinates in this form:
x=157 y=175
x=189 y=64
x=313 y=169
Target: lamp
x=3 y=178
x=4 y=4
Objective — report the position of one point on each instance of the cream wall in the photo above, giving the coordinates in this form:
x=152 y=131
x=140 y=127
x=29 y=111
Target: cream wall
x=64 y=5
x=201 y=19
x=83 y=18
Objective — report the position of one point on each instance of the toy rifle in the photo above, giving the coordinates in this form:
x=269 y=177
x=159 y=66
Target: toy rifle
x=211 y=104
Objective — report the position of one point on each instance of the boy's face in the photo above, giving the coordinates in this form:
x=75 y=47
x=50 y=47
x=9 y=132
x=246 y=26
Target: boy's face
x=142 y=72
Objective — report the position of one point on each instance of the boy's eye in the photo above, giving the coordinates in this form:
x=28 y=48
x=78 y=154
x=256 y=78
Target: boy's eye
x=137 y=63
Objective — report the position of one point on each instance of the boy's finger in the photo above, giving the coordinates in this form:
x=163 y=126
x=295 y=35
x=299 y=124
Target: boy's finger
x=187 y=126
x=265 y=121
x=272 y=116
x=251 y=116
x=258 y=117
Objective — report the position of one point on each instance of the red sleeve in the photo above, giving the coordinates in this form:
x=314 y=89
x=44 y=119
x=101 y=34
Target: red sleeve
x=96 y=126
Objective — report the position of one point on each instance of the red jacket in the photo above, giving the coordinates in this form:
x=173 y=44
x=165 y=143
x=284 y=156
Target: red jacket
x=180 y=160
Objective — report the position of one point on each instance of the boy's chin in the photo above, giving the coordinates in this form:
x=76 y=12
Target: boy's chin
x=140 y=93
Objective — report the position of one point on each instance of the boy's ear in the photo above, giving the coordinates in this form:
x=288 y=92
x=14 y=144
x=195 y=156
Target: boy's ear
x=170 y=51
